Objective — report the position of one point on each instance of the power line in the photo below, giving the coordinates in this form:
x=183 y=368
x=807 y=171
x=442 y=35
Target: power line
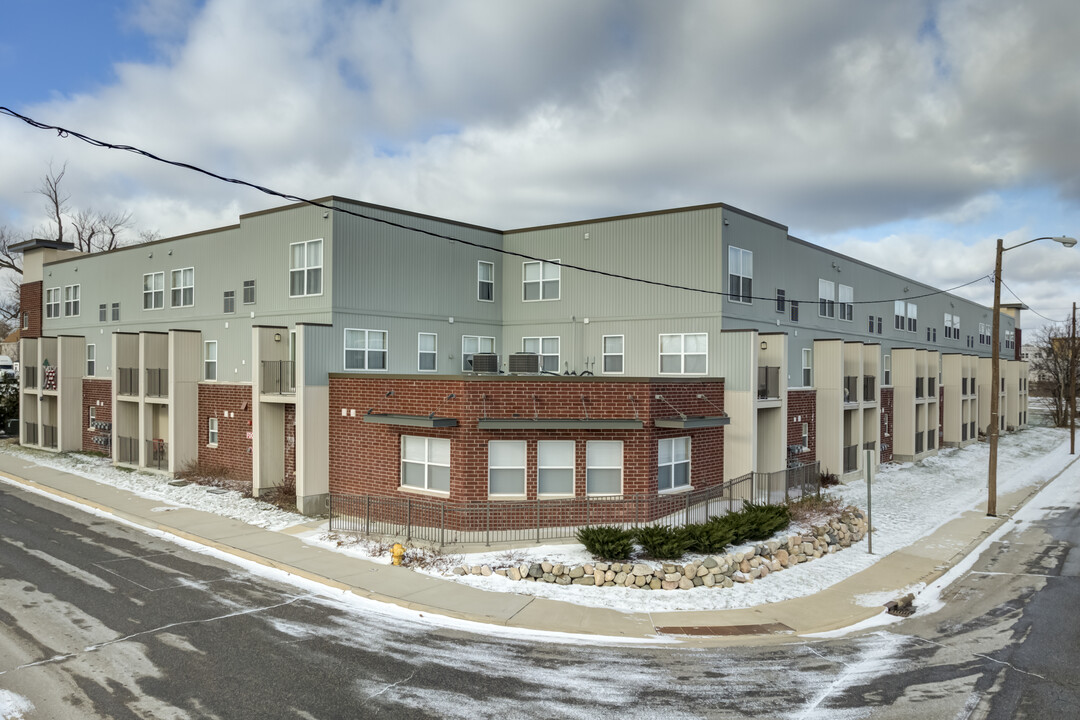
x=65 y=133
x=1036 y=312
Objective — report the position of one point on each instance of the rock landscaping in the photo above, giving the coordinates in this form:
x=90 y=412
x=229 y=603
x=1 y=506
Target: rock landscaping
x=713 y=571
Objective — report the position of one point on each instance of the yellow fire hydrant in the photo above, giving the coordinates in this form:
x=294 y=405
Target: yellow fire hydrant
x=398 y=552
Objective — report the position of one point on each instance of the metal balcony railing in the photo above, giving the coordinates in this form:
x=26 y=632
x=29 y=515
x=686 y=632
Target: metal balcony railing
x=931 y=387
x=963 y=432
x=128 y=381
x=48 y=436
x=127 y=450
x=157 y=382
x=30 y=377
x=918 y=442
x=931 y=439
x=851 y=458
x=919 y=388
x=869 y=388
x=851 y=388
x=279 y=377
x=31 y=433
x=963 y=386
x=768 y=383
x=157 y=454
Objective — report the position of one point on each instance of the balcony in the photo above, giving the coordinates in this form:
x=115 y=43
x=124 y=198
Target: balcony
x=963 y=432
x=851 y=388
x=31 y=433
x=157 y=454
x=127 y=450
x=931 y=439
x=30 y=377
x=128 y=381
x=157 y=383
x=869 y=388
x=964 y=386
x=279 y=378
x=851 y=458
x=918 y=441
x=919 y=388
x=768 y=383
x=931 y=385
x=48 y=436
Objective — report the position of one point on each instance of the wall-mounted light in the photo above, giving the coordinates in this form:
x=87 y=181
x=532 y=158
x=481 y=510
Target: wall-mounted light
x=277 y=337
x=764 y=345
x=150 y=255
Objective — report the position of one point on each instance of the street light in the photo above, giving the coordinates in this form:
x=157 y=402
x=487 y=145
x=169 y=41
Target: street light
x=995 y=373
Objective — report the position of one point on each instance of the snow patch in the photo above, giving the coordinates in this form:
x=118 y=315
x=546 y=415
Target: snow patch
x=14 y=707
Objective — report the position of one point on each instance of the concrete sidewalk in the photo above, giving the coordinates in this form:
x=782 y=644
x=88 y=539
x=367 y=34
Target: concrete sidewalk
x=828 y=609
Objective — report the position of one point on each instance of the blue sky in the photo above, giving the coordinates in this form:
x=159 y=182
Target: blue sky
x=908 y=134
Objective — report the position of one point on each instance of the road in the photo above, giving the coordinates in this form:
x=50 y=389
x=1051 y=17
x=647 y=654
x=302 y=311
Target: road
x=98 y=619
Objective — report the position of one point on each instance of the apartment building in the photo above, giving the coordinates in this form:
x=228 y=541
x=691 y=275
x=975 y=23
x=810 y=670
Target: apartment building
x=368 y=350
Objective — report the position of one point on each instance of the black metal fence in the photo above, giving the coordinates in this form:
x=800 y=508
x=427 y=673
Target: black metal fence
x=157 y=383
x=278 y=377
x=443 y=522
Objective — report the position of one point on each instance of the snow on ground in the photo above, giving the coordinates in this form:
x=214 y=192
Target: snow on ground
x=231 y=503
x=14 y=707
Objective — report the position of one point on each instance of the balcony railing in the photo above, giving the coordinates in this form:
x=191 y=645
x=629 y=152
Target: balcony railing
x=768 y=383
x=128 y=381
x=851 y=458
x=963 y=432
x=851 y=388
x=157 y=454
x=971 y=385
x=127 y=450
x=931 y=385
x=963 y=386
x=971 y=434
x=869 y=388
x=157 y=383
x=31 y=433
x=931 y=439
x=918 y=442
x=30 y=377
x=919 y=387
x=48 y=436
x=279 y=377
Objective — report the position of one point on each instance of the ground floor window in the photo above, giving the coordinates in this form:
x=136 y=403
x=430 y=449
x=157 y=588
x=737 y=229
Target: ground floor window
x=603 y=467
x=555 y=467
x=673 y=462
x=506 y=467
x=425 y=463
x=212 y=432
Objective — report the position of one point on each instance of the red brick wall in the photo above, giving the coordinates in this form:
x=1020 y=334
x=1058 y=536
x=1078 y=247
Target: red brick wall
x=802 y=404
x=290 y=444
x=97 y=394
x=365 y=457
x=887 y=412
x=30 y=302
x=231 y=405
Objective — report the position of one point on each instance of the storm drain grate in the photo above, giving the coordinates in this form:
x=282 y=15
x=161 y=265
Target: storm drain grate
x=902 y=612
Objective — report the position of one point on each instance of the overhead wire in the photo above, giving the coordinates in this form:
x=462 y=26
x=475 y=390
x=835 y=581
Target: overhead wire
x=1026 y=306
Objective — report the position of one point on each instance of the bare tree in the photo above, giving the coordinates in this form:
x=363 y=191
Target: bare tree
x=1051 y=364
x=55 y=199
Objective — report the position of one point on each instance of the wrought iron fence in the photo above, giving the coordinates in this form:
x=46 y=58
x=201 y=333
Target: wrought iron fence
x=157 y=383
x=444 y=522
x=128 y=379
x=768 y=382
x=278 y=377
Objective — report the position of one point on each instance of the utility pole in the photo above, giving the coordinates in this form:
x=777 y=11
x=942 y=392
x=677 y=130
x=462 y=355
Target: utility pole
x=995 y=385
x=1072 y=384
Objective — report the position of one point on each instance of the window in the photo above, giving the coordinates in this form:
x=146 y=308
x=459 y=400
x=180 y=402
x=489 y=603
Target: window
x=426 y=351
x=684 y=354
x=912 y=317
x=52 y=303
x=230 y=301
x=305 y=268
x=885 y=423
x=71 y=301
x=555 y=467
x=603 y=467
x=847 y=303
x=879 y=325
x=548 y=350
x=886 y=370
x=794 y=310
x=613 y=354
x=425 y=463
x=102 y=312
x=540 y=281
x=898 y=314
x=116 y=312
x=485 y=281
x=808 y=367
x=805 y=440
x=91 y=360
x=212 y=431
x=249 y=292
x=153 y=291
x=927 y=334
x=365 y=349
x=673 y=464
x=948 y=325
x=210 y=360
x=91 y=417
x=506 y=467
x=183 y=287
x=26 y=321
x=740 y=275
x=826 y=291
x=781 y=301
x=473 y=345
x=871 y=318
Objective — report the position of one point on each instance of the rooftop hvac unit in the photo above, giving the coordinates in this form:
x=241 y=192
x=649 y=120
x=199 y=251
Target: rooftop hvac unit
x=524 y=363
x=485 y=363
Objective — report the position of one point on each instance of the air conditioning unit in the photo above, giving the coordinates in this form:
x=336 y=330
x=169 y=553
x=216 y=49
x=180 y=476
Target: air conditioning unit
x=485 y=363
x=524 y=363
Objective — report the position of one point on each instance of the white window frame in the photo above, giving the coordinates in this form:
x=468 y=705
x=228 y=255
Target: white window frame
x=538 y=346
x=103 y=312
x=116 y=312
x=826 y=292
x=427 y=463
x=489 y=281
x=740 y=275
x=466 y=354
x=212 y=432
x=807 y=367
x=182 y=287
x=672 y=464
x=589 y=467
x=433 y=352
x=542 y=281
x=156 y=291
x=912 y=317
x=91 y=360
x=682 y=354
x=367 y=350
x=781 y=300
x=805 y=440
x=541 y=466
x=524 y=447
x=846 y=299
x=210 y=360
x=307 y=269
x=91 y=417
x=886 y=370
x=71 y=300
x=899 y=315
x=249 y=285
x=228 y=302
x=52 y=303
x=604 y=355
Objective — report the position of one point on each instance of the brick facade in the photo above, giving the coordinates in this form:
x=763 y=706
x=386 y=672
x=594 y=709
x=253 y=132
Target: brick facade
x=887 y=428
x=30 y=303
x=96 y=394
x=290 y=445
x=801 y=406
x=365 y=458
x=232 y=406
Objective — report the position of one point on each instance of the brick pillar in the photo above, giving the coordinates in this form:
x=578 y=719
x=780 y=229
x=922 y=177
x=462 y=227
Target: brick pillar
x=30 y=300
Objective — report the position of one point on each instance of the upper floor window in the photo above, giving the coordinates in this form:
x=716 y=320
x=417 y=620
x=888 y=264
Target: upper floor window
x=826 y=298
x=740 y=275
x=426 y=352
x=540 y=280
x=230 y=301
x=899 y=314
x=684 y=353
x=305 y=268
x=794 y=310
x=26 y=321
x=365 y=349
x=183 y=287
x=52 y=303
x=116 y=312
x=71 y=301
x=210 y=360
x=153 y=291
x=912 y=317
x=102 y=312
x=781 y=300
x=847 y=302
x=808 y=367
x=886 y=372
x=249 y=292
x=485 y=281
x=91 y=360
x=612 y=354
x=548 y=350
x=474 y=345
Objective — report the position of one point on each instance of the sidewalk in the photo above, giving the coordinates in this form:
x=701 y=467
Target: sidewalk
x=830 y=609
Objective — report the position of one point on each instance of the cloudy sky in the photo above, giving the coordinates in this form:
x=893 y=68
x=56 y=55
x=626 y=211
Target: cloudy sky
x=908 y=134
